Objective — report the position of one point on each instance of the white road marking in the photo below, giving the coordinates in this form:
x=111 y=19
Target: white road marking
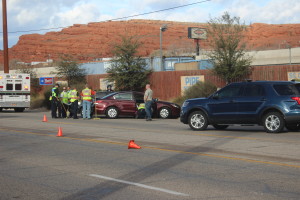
x=139 y=185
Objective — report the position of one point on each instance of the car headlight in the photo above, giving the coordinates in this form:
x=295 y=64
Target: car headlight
x=175 y=105
x=185 y=104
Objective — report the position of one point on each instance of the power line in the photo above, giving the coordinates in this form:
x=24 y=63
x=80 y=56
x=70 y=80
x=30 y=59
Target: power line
x=120 y=18
x=161 y=10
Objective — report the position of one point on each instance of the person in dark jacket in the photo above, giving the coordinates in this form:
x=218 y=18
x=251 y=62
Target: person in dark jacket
x=55 y=101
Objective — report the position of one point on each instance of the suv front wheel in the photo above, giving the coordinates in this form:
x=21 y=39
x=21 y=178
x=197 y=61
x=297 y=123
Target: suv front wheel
x=198 y=120
x=273 y=122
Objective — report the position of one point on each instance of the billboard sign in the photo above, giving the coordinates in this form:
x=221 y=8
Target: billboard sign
x=46 y=81
x=197 y=33
x=188 y=81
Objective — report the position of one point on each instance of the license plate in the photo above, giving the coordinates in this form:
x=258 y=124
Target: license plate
x=13 y=104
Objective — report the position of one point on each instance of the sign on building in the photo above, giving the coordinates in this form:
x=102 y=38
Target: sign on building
x=293 y=75
x=46 y=81
x=188 y=81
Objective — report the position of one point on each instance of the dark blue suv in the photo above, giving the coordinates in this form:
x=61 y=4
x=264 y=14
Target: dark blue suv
x=272 y=104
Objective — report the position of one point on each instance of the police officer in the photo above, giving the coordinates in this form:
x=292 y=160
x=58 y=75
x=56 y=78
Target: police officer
x=64 y=102
x=54 y=101
x=73 y=96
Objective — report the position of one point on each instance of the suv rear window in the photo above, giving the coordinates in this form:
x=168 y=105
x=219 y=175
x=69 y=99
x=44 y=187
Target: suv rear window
x=293 y=89
x=254 y=90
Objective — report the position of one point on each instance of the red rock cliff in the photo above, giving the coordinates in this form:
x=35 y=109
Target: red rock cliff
x=94 y=40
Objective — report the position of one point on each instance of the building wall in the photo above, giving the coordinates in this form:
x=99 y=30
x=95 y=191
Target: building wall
x=167 y=85
x=270 y=57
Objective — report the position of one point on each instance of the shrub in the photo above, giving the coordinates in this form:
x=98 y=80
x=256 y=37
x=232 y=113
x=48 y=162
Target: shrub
x=46 y=103
x=37 y=102
x=200 y=89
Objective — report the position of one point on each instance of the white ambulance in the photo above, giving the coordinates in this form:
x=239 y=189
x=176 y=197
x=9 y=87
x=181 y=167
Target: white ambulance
x=14 y=91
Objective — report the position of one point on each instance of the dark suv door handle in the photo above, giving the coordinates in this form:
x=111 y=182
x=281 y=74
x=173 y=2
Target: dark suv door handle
x=263 y=99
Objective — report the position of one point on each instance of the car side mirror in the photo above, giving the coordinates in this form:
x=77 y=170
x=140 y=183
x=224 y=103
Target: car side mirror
x=215 y=96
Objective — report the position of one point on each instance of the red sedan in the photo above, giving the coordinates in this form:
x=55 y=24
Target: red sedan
x=126 y=104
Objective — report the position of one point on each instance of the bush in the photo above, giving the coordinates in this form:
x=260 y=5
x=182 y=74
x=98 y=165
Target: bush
x=37 y=102
x=200 y=89
x=47 y=102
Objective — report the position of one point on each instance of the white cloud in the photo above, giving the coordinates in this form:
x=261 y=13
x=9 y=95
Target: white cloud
x=80 y=14
x=40 y=14
x=160 y=4
x=274 y=12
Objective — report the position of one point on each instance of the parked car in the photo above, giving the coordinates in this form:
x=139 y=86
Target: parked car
x=99 y=95
x=125 y=103
x=272 y=104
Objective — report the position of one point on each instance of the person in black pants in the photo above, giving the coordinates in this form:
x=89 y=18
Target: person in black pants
x=74 y=96
x=75 y=109
x=54 y=101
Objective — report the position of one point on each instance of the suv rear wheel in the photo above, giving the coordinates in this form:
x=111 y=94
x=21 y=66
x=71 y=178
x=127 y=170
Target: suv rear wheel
x=198 y=120
x=273 y=122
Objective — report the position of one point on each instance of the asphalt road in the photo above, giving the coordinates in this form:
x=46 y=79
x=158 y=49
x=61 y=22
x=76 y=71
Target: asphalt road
x=92 y=161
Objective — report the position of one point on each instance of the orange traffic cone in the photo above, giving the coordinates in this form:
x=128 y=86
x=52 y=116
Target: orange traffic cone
x=132 y=145
x=59 y=133
x=45 y=119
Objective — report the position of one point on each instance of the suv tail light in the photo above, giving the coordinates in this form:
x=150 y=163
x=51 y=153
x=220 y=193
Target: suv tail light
x=296 y=99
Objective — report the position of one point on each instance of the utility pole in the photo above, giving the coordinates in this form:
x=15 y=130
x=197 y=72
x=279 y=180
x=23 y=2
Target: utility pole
x=162 y=29
x=290 y=55
x=5 y=40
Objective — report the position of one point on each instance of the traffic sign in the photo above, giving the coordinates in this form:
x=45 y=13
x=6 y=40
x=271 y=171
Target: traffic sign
x=46 y=81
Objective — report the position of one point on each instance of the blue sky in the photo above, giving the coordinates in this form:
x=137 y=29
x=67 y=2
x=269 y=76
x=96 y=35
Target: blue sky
x=24 y=15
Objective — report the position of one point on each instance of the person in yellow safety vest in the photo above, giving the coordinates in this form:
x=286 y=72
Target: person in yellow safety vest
x=69 y=104
x=73 y=96
x=86 y=96
x=55 y=105
x=141 y=106
x=64 y=102
x=141 y=113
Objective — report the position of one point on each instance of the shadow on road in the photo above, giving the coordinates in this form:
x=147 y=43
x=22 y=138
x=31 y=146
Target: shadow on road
x=107 y=188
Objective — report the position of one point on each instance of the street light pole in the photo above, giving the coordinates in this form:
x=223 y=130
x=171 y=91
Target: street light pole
x=5 y=40
x=162 y=29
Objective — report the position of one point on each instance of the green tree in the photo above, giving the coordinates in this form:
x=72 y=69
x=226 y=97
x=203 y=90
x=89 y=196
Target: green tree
x=200 y=89
x=227 y=38
x=69 y=69
x=127 y=70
